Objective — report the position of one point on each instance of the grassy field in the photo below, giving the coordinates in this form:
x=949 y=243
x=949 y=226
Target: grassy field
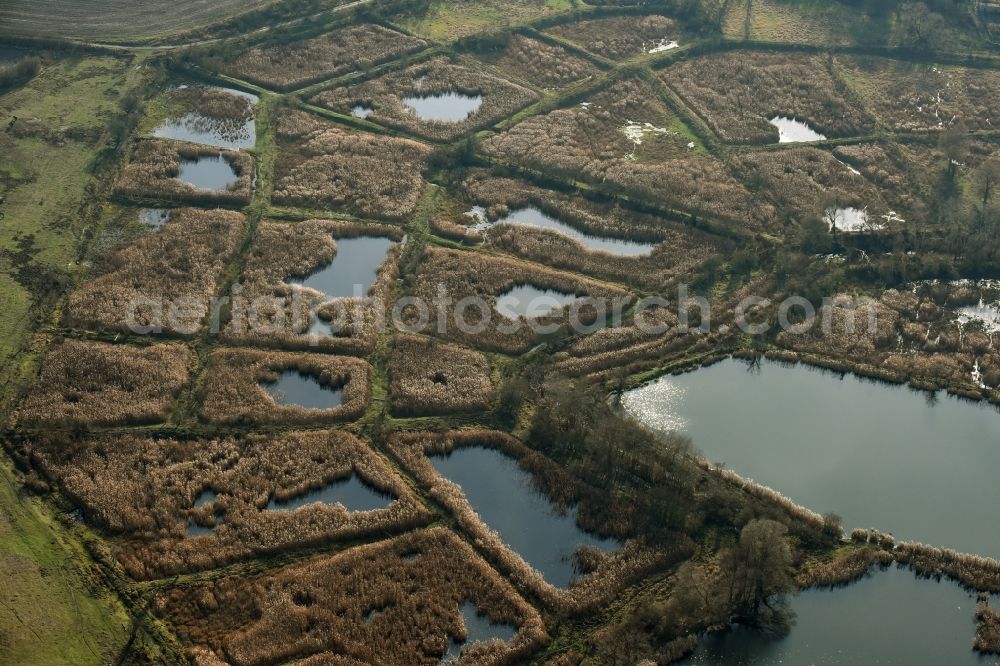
x=116 y=19
x=49 y=612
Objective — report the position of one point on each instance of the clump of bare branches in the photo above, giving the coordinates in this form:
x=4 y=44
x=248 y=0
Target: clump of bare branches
x=272 y=312
x=394 y=602
x=427 y=377
x=620 y=37
x=356 y=47
x=738 y=92
x=153 y=170
x=90 y=383
x=163 y=282
x=151 y=492
x=234 y=392
x=385 y=96
x=588 y=591
x=323 y=166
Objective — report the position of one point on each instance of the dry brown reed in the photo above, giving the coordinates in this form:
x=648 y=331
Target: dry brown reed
x=163 y=282
x=588 y=142
x=973 y=571
x=235 y=393
x=919 y=97
x=466 y=274
x=392 y=603
x=385 y=96
x=271 y=312
x=150 y=491
x=895 y=170
x=323 y=166
x=155 y=165
x=738 y=92
x=987 y=627
x=216 y=110
x=341 y=51
x=619 y=37
x=90 y=383
x=540 y=63
x=843 y=569
x=587 y=592
x=427 y=377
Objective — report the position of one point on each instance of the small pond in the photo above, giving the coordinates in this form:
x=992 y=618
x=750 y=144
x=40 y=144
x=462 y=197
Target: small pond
x=890 y=617
x=479 y=629
x=988 y=314
x=352 y=493
x=213 y=173
x=362 y=111
x=207 y=496
x=531 y=302
x=791 y=130
x=504 y=497
x=665 y=44
x=883 y=456
x=448 y=107
x=533 y=217
x=297 y=389
x=154 y=217
x=199 y=128
x=353 y=270
x=847 y=219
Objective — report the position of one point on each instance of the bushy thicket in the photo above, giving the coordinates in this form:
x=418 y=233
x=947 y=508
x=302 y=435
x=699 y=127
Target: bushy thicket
x=155 y=164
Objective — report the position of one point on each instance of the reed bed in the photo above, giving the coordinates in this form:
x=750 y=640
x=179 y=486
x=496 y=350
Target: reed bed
x=806 y=182
x=588 y=142
x=271 y=312
x=352 y=48
x=973 y=571
x=844 y=569
x=987 y=627
x=619 y=37
x=393 y=603
x=234 y=393
x=463 y=274
x=163 y=282
x=539 y=63
x=439 y=76
x=323 y=166
x=220 y=110
x=918 y=97
x=738 y=92
x=897 y=173
x=592 y=590
x=95 y=384
x=427 y=377
x=155 y=164
x=146 y=490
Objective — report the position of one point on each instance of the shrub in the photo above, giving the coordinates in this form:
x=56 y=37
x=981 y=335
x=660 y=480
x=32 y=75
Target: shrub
x=155 y=164
x=394 y=603
x=146 y=490
x=94 y=384
x=163 y=282
x=385 y=96
x=619 y=37
x=341 y=51
x=323 y=166
x=234 y=393
x=426 y=377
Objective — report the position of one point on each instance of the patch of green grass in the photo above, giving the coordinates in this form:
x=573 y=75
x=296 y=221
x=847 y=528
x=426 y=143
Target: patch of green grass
x=448 y=20
x=52 y=610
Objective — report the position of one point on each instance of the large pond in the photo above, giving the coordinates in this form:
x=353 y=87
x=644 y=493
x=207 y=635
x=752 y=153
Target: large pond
x=448 y=107
x=888 y=618
x=504 y=497
x=533 y=217
x=213 y=173
x=920 y=467
x=529 y=301
x=199 y=128
x=479 y=629
x=353 y=270
x=791 y=130
x=352 y=493
x=297 y=389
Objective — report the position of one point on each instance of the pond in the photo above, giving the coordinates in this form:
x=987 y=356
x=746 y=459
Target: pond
x=352 y=493
x=298 y=389
x=196 y=127
x=988 y=314
x=213 y=173
x=206 y=496
x=791 y=130
x=154 y=217
x=362 y=111
x=665 y=44
x=531 y=302
x=447 y=107
x=504 y=497
x=479 y=629
x=847 y=219
x=883 y=456
x=533 y=217
x=890 y=617
x=353 y=270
